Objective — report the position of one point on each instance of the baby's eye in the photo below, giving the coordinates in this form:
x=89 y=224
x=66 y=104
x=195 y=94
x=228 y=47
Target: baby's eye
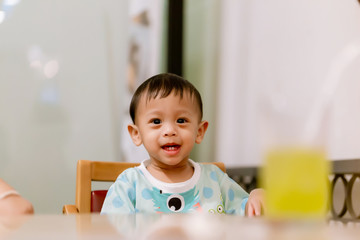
x=181 y=120
x=156 y=121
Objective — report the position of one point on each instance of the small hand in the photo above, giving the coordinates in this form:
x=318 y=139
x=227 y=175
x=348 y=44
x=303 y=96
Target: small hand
x=255 y=204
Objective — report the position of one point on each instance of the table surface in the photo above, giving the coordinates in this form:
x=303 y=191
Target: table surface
x=173 y=226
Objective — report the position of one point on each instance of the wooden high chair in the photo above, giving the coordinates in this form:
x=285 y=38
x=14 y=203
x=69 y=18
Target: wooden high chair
x=86 y=200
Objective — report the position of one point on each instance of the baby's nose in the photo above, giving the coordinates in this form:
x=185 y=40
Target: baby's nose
x=169 y=130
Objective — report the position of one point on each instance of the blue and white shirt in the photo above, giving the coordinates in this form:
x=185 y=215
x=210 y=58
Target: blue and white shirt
x=208 y=190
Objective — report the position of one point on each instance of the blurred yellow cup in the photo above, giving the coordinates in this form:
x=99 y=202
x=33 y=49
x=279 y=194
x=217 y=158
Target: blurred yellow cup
x=296 y=183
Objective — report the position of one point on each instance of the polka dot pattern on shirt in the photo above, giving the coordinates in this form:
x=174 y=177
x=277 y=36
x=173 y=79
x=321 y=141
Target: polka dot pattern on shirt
x=146 y=194
x=208 y=192
x=122 y=178
x=213 y=176
x=131 y=194
x=117 y=202
x=231 y=194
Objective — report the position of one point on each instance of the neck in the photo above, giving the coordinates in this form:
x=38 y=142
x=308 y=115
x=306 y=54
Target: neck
x=171 y=174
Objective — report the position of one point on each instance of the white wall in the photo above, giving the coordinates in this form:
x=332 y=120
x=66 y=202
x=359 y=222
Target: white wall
x=289 y=50
x=61 y=70
x=200 y=64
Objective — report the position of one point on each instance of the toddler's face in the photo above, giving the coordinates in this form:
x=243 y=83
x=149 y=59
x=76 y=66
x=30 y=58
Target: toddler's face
x=168 y=127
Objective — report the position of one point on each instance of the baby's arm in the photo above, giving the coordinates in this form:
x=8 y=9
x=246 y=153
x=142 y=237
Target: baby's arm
x=11 y=203
x=255 y=203
x=120 y=197
x=240 y=202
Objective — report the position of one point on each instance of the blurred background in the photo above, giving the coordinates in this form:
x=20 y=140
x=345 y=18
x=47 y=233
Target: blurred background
x=68 y=70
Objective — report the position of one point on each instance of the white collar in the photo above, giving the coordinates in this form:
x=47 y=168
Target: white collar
x=172 y=187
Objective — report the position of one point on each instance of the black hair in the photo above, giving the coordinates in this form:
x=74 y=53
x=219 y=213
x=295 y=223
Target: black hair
x=163 y=85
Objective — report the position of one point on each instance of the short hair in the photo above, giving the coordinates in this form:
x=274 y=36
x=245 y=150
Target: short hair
x=163 y=85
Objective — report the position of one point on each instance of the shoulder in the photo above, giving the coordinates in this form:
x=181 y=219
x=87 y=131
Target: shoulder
x=211 y=168
x=130 y=175
x=211 y=171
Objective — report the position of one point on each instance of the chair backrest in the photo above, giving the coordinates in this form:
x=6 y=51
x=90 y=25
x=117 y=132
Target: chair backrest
x=86 y=200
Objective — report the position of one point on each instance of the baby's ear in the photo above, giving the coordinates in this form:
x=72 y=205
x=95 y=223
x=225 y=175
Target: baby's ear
x=201 y=131
x=135 y=134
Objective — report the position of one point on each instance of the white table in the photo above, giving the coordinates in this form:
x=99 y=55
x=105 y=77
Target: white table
x=191 y=226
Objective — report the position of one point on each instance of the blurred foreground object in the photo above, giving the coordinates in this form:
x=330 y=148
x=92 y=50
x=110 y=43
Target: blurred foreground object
x=296 y=169
x=295 y=131
x=11 y=203
x=296 y=183
x=169 y=227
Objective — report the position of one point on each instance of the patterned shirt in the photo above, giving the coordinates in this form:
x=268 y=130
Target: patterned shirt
x=208 y=190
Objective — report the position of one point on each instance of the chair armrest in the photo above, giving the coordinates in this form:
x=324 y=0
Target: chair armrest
x=70 y=209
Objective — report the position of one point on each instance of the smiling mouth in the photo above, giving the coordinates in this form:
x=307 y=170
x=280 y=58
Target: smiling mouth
x=171 y=147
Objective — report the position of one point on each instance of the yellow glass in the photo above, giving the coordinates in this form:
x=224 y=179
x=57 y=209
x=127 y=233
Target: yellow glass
x=296 y=183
